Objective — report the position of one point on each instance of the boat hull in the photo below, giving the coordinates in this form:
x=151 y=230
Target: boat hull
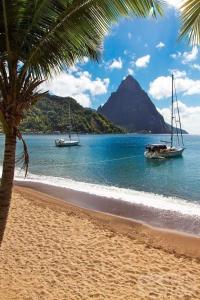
x=66 y=143
x=170 y=153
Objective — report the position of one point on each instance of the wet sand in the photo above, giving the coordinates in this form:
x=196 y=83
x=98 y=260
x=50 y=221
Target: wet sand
x=55 y=250
x=166 y=219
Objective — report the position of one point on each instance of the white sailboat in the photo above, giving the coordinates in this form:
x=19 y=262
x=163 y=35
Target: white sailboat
x=159 y=151
x=68 y=142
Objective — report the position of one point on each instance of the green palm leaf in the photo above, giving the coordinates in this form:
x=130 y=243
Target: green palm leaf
x=190 y=17
x=45 y=34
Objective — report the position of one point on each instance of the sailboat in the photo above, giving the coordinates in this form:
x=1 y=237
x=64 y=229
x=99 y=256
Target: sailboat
x=68 y=142
x=168 y=149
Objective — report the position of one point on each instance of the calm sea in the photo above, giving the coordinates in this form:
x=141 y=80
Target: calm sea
x=114 y=166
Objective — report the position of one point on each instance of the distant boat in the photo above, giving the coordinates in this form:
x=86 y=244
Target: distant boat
x=156 y=151
x=68 y=142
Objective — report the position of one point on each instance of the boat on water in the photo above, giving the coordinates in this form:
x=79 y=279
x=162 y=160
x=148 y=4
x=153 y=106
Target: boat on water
x=169 y=149
x=160 y=151
x=62 y=142
x=66 y=143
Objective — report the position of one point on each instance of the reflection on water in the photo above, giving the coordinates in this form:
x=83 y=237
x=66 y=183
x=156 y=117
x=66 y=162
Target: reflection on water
x=161 y=161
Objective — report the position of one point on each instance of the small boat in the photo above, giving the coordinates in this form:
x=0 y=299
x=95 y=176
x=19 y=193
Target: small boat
x=68 y=142
x=162 y=151
x=65 y=143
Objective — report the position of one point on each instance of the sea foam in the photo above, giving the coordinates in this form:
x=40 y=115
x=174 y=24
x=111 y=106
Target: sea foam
x=129 y=195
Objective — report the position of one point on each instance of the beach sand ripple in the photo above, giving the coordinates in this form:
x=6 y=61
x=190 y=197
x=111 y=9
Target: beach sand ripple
x=60 y=252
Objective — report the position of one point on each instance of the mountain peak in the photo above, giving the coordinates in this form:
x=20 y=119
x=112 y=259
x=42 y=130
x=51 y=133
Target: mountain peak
x=129 y=83
x=129 y=78
x=131 y=108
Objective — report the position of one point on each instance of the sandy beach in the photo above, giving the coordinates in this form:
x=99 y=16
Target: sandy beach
x=55 y=250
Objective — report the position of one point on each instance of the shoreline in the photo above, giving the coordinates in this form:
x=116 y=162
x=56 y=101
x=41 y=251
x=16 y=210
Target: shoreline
x=168 y=220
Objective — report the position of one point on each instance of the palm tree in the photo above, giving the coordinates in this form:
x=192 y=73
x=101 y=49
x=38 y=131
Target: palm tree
x=36 y=38
x=190 y=15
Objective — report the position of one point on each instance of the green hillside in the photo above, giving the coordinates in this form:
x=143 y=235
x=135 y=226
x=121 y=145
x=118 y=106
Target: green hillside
x=51 y=114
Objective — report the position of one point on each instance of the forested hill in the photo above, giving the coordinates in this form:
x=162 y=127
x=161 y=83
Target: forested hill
x=51 y=114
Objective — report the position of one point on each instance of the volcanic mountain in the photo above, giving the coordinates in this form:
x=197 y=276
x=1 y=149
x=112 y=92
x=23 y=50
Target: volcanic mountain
x=130 y=107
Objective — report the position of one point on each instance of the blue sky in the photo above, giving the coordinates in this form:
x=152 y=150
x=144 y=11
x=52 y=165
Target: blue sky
x=149 y=50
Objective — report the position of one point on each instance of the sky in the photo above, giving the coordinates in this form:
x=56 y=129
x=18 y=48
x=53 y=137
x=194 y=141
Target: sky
x=149 y=50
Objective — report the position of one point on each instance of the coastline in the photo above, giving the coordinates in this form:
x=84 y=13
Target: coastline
x=158 y=218
x=55 y=250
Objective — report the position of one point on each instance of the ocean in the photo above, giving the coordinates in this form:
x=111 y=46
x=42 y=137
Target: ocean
x=114 y=166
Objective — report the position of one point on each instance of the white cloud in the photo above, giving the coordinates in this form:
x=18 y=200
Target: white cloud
x=143 y=62
x=73 y=69
x=176 y=55
x=177 y=73
x=130 y=71
x=196 y=66
x=190 y=117
x=129 y=35
x=78 y=64
x=160 y=88
x=160 y=45
x=85 y=60
x=80 y=86
x=190 y=56
x=116 y=64
x=83 y=99
x=174 y=3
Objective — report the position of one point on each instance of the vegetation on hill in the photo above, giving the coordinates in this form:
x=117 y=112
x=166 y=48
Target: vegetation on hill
x=52 y=114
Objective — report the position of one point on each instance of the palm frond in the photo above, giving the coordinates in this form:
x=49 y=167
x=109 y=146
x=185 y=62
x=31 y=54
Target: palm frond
x=190 y=18
x=23 y=158
x=4 y=9
x=47 y=34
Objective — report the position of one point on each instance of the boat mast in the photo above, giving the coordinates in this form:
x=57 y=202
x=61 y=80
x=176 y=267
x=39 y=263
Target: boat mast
x=69 y=121
x=179 y=117
x=172 y=112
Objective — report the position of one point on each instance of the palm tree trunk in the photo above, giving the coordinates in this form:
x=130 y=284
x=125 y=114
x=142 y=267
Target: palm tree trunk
x=7 y=180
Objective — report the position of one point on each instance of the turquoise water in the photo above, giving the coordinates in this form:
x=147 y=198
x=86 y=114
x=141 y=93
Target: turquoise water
x=118 y=160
